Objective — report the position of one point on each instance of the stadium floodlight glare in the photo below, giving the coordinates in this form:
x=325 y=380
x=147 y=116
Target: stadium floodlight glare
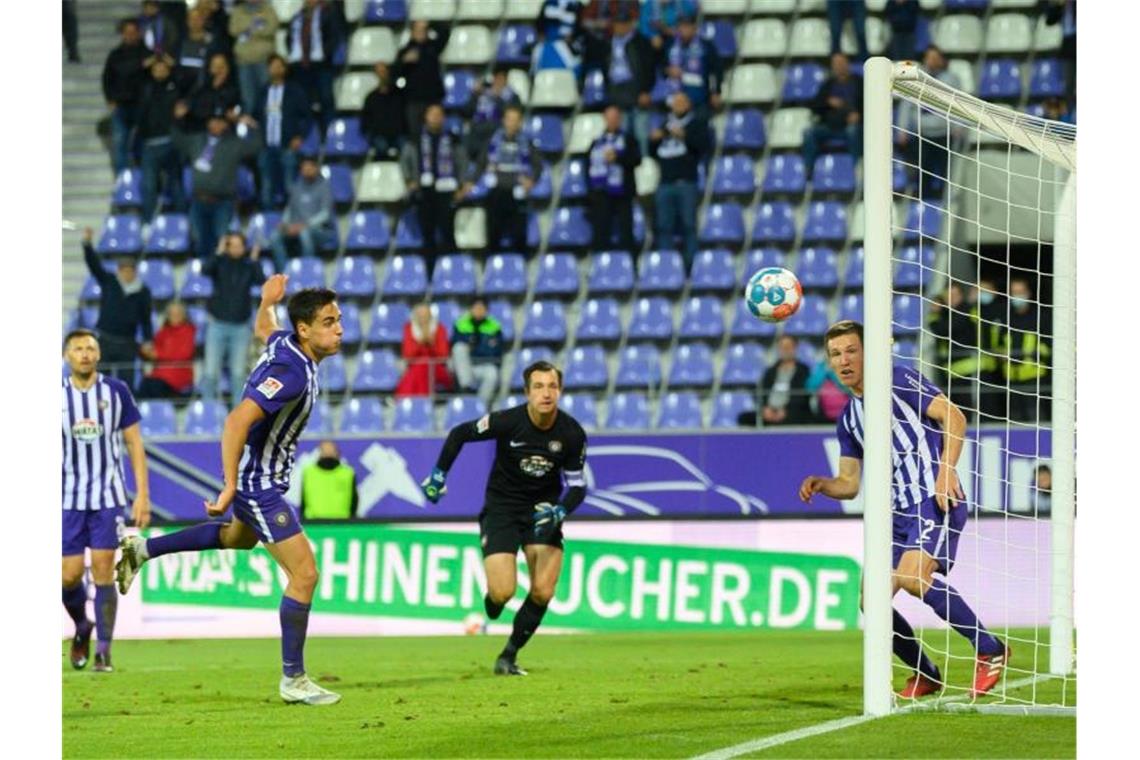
x=990 y=196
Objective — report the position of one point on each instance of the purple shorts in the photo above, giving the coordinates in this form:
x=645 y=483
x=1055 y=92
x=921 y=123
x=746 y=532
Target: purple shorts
x=272 y=518
x=932 y=530
x=91 y=528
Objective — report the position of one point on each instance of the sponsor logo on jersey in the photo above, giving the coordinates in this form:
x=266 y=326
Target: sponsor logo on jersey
x=536 y=466
x=269 y=387
x=484 y=424
x=555 y=446
x=86 y=431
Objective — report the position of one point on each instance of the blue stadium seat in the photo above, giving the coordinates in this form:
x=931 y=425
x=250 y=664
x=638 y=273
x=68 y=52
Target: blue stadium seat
x=744 y=325
x=854 y=276
x=724 y=224
x=744 y=365
x=915 y=266
x=582 y=407
x=713 y=270
x=340 y=181
x=158 y=418
x=851 y=307
x=722 y=34
x=569 y=228
x=260 y=229
x=734 y=175
x=545 y=130
x=355 y=277
x=515 y=43
x=169 y=236
x=922 y=219
x=652 y=319
x=784 y=174
x=350 y=323
x=246 y=186
x=905 y=352
x=533 y=233
x=505 y=275
x=774 y=223
x=204 y=417
x=834 y=173
x=92 y=291
x=376 y=372
x=762 y=258
x=586 y=368
x=600 y=320
x=810 y=320
x=639 y=365
x=364 y=414
x=446 y=313
x=199 y=318
x=1000 y=80
x=311 y=145
x=387 y=326
x=729 y=405
x=826 y=221
x=526 y=357
x=802 y=82
x=385 y=11
x=367 y=231
x=504 y=312
x=1047 y=79
x=744 y=130
x=158 y=274
x=406 y=276
x=332 y=374
x=545 y=323
x=594 y=89
x=966 y=5
x=128 y=189
x=413 y=415
x=458 y=89
x=343 y=139
x=692 y=366
x=122 y=233
x=679 y=411
x=899 y=178
x=660 y=272
x=454 y=275
x=702 y=318
x=511 y=400
x=808 y=353
x=320 y=420
x=267 y=270
x=557 y=275
x=906 y=314
x=818 y=268
x=462 y=409
x=543 y=187
x=628 y=411
x=662 y=90
x=408 y=234
x=574 y=186
x=610 y=272
x=304 y=273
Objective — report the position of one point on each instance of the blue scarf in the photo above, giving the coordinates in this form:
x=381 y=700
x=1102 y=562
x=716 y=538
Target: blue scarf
x=490 y=106
x=437 y=171
x=507 y=155
x=691 y=60
x=604 y=175
x=620 y=71
x=674 y=147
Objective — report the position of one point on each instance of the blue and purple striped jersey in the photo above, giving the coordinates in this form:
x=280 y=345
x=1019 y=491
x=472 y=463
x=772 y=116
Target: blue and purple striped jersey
x=917 y=440
x=93 y=421
x=284 y=385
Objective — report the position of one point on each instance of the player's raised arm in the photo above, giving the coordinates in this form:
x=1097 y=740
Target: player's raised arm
x=238 y=423
x=265 y=324
x=947 y=488
x=845 y=485
x=483 y=429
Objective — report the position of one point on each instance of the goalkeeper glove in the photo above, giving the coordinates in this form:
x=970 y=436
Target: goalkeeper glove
x=547 y=518
x=433 y=485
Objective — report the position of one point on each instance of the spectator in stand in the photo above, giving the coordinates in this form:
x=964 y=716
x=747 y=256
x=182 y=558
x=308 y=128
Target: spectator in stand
x=1023 y=343
x=839 y=11
x=1064 y=12
x=1043 y=491
x=158 y=33
x=433 y=165
x=197 y=48
x=382 y=120
x=693 y=66
x=71 y=31
x=559 y=36
x=902 y=17
x=839 y=106
x=1057 y=110
x=492 y=98
x=930 y=153
x=313 y=37
x=511 y=166
x=159 y=156
x=829 y=394
x=217 y=21
x=123 y=78
x=124 y=312
x=679 y=147
x=425 y=351
x=173 y=357
x=990 y=307
x=477 y=352
x=253 y=25
x=953 y=323
x=228 y=330
x=418 y=73
x=613 y=157
x=599 y=16
x=215 y=156
x=328 y=486
x=659 y=19
x=630 y=66
x=308 y=219
x=784 y=388
x=283 y=112
x=217 y=95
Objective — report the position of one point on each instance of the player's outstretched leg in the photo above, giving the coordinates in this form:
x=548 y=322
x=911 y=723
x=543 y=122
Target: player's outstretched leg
x=75 y=602
x=137 y=550
x=993 y=656
x=926 y=679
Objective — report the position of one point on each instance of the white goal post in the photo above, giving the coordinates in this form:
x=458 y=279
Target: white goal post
x=1031 y=152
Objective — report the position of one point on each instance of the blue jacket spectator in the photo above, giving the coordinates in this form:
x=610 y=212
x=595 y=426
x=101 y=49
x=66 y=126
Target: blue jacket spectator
x=659 y=19
x=559 y=36
x=282 y=110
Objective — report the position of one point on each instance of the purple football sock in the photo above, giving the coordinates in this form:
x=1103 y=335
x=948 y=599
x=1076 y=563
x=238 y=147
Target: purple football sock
x=75 y=602
x=907 y=649
x=294 y=624
x=106 y=603
x=193 y=539
x=952 y=608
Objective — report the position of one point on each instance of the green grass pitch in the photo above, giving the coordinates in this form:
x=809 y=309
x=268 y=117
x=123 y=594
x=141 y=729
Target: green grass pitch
x=626 y=695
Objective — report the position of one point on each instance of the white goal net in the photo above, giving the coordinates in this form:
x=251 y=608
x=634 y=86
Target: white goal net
x=970 y=279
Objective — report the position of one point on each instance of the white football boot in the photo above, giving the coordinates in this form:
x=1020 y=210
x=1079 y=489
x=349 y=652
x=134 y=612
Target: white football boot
x=134 y=555
x=299 y=689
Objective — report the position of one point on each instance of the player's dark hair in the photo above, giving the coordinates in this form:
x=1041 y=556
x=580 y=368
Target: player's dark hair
x=304 y=305
x=842 y=327
x=79 y=332
x=540 y=366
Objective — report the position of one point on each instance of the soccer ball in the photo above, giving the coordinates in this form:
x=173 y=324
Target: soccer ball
x=773 y=294
x=474 y=624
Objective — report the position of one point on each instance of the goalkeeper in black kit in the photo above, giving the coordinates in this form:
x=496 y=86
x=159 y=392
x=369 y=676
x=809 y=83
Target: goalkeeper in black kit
x=524 y=506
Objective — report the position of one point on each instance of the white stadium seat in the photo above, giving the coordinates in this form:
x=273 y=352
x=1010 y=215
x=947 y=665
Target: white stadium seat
x=353 y=88
x=1009 y=33
x=787 y=128
x=958 y=34
x=469 y=45
x=525 y=10
x=353 y=10
x=724 y=7
x=371 y=44
x=381 y=182
x=752 y=83
x=810 y=38
x=585 y=130
x=878 y=34
x=764 y=38
x=470 y=228
x=647 y=176
x=1047 y=37
x=479 y=10
x=554 y=88
x=772 y=7
x=286 y=9
x=964 y=70
x=519 y=81
x=432 y=10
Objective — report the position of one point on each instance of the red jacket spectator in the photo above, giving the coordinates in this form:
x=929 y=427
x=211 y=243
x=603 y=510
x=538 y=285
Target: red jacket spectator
x=173 y=357
x=426 y=350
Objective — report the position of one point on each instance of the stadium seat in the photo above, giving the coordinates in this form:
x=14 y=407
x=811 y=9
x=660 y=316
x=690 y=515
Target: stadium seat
x=905 y=352
x=408 y=235
x=543 y=187
x=504 y=312
x=545 y=323
x=352 y=89
x=808 y=353
x=854 y=276
x=1001 y=80
x=350 y=323
x=369 y=45
x=304 y=273
x=458 y=89
x=922 y=219
x=454 y=275
x=512 y=400
x=760 y=258
x=122 y=233
x=851 y=307
x=600 y=320
x=594 y=89
x=91 y=289
x=652 y=319
x=523 y=9
x=834 y=173
x=385 y=11
x=311 y=145
x=169 y=235
x=406 y=276
x=355 y=277
x=526 y=357
x=469 y=45
x=286 y=9
x=964 y=70
x=381 y=182
x=515 y=43
x=610 y=272
x=446 y=313
x=1009 y=33
x=260 y=229
x=585 y=128
x=128 y=189
x=723 y=224
x=734 y=175
x=826 y=221
x=471 y=229
x=692 y=366
x=332 y=374
x=343 y=139
x=724 y=7
x=744 y=325
x=628 y=411
x=1047 y=38
x=914 y=266
x=811 y=319
x=204 y=418
x=158 y=418
x=752 y=83
x=713 y=270
x=744 y=130
x=586 y=368
x=743 y=365
x=764 y=38
x=268 y=270
x=702 y=317
x=554 y=88
x=809 y=38
x=158 y=274
x=432 y=10
x=788 y=125
x=368 y=231
x=574 y=180
x=505 y=275
x=660 y=271
x=679 y=411
x=1047 y=79
x=387 y=324
x=906 y=314
x=728 y=406
x=958 y=34
x=569 y=228
x=877 y=34
x=376 y=372
x=722 y=34
x=340 y=181
x=462 y=409
x=557 y=275
x=364 y=414
x=818 y=268
x=546 y=133
x=197 y=316
x=195 y=286
x=582 y=407
x=647 y=176
x=639 y=365
x=320 y=421
x=774 y=223
x=802 y=82
x=413 y=415
x=784 y=174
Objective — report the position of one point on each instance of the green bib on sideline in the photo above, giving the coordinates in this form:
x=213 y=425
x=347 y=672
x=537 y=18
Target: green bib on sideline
x=327 y=493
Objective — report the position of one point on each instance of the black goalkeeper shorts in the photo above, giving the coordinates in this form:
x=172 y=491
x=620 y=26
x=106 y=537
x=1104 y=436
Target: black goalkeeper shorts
x=506 y=531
